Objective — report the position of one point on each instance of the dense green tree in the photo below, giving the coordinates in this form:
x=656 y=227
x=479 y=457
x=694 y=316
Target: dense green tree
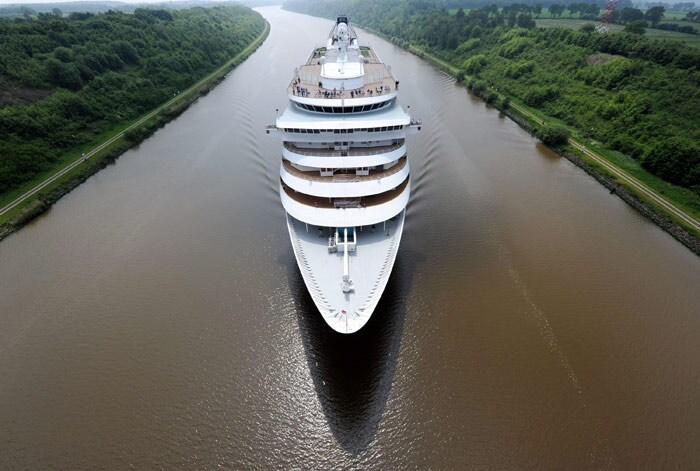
x=556 y=10
x=592 y=11
x=654 y=15
x=573 y=9
x=629 y=14
x=537 y=9
x=71 y=78
x=676 y=160
x=554 y=135
x=636 y=27
x=64 y=75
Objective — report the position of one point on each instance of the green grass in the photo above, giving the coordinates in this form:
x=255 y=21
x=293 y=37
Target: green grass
x=674 y=15
x=95 y=160
x=564 y=16
x=691 y=39
x=695 y=26
x=683 y=198
x=64 y=160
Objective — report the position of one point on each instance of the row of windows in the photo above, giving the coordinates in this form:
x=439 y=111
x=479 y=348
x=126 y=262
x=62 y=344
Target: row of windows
x=342 y=131
x=341 y=109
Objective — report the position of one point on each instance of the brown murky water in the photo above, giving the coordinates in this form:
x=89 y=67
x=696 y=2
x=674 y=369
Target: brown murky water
x=155 y=318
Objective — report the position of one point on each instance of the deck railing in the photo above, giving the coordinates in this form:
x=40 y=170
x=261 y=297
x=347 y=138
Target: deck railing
x=345 y=177
x=365 y=201
x=354 y=152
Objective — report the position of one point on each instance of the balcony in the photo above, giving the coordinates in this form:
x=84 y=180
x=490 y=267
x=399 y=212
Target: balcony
x=351 y=158
x=334 y=203
x=345 y=212
x=345 y=177
x=352 y=152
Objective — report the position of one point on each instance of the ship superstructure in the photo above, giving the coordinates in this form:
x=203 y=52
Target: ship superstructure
x=344 y=176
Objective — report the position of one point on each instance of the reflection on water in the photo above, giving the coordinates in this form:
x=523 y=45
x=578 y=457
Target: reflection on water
x=353 y=374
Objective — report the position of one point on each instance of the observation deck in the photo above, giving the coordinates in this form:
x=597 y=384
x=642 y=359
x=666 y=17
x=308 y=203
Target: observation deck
x=368 y=81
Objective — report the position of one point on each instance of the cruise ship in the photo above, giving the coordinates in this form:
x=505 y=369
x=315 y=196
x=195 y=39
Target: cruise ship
x=344 y=177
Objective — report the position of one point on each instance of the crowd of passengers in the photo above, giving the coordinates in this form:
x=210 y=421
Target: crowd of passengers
x=298 y=90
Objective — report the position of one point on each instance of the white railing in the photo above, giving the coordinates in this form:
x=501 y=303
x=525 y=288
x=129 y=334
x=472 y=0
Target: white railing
x=354 y=152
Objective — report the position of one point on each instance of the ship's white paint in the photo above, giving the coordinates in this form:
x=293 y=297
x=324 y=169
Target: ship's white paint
x=346 y=161
x=391 y=115
x=346 y=217
x=369 y=267
x=345 y=182
x=349 y=188
x=354 y=137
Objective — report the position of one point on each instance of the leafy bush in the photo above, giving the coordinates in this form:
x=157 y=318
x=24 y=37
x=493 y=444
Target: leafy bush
x=554 y=136
x=610 y=74
x=515 y=47
x=539 y=96
x=473 y=65
x=676 y=160
x=468 y=46
x=517 y=69
x=636 y=27
x=478 y=87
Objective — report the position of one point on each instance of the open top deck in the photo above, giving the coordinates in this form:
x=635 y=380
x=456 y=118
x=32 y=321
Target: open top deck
x=376 y=77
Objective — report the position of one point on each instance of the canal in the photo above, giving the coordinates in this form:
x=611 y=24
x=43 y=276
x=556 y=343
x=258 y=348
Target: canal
x=155 y=317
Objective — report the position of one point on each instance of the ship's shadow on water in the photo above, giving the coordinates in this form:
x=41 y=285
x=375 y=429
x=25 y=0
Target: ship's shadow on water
x=353 y=374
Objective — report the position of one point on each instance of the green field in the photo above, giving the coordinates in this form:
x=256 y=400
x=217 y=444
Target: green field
x=695 y=26
x=674 y=15
x=692 y=39
x=547 y=15
x=670 y=17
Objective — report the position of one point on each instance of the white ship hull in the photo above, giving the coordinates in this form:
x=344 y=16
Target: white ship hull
x=344 y=176
x=371 y=262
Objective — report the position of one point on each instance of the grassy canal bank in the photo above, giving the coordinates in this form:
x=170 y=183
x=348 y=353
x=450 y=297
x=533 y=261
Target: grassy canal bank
x=35 y=197
x=673 y=208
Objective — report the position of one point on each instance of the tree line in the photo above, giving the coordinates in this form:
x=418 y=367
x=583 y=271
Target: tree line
x=65 y=80
x=638 y=96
